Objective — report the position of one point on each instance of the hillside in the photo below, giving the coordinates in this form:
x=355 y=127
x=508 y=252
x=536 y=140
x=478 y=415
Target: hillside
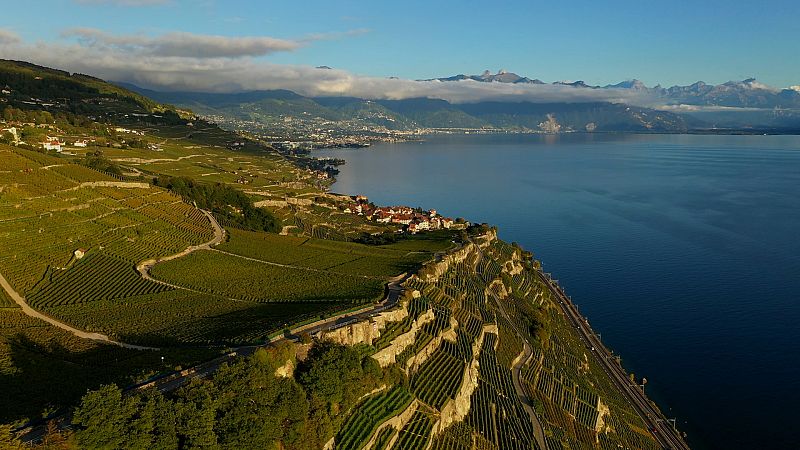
x=149 y=241
x=414 y=113
x=70 y=92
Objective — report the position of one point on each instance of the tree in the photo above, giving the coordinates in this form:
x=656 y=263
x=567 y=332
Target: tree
x=97 y=161
x=223 y=200
x=104 y=418
x=195 y=408
x=6 y=138
x=8 y=440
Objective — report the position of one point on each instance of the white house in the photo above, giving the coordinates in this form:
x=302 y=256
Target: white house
x=52 y=144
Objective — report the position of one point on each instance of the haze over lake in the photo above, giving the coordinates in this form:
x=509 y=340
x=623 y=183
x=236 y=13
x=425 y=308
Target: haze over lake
x=681 y=250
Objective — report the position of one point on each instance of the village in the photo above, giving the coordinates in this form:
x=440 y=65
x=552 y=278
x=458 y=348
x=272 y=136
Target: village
x=412 y=220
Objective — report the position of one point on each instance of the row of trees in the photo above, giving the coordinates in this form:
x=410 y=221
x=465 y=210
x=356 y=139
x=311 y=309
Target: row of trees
x=96 y=160
x=41 y=116
x=229 y=203
x=244 y=405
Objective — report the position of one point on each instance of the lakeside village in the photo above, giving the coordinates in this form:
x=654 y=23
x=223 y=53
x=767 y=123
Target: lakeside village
x=301 y=134
x=412 y=220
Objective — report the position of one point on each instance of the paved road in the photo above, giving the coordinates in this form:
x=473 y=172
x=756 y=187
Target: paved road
x=666 y=436
x=170 y=382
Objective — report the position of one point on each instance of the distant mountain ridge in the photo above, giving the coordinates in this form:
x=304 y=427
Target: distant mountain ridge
x=747 y=93
x=414 y=113
x=501 y=77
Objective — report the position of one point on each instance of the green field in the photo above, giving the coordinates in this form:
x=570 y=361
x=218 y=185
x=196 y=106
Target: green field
x=180 y=318
x=231 y=276
x=45 y=216
x=78 y=284
x=336 y=256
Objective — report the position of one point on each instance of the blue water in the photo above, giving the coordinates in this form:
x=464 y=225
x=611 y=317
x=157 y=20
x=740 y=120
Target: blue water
x=683 y=252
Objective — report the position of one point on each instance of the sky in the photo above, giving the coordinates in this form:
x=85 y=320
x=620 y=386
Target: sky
x=226 y=45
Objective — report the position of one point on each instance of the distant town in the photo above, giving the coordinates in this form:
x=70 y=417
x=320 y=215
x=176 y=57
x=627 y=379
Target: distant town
x=413 y=220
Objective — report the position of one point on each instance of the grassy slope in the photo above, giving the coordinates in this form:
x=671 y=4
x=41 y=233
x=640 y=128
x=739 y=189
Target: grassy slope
x=231 y=276
x=42 y=82
x=341 y=257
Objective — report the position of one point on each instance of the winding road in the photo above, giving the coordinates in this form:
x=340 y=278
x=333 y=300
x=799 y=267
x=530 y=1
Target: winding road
x=219 y=235
x=20 y=300
x=143 y=268
x=171 y=381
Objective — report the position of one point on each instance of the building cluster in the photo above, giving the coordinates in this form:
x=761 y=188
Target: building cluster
x=51 y=143
x=54 y=143
x=412 y=220
x=127 y=131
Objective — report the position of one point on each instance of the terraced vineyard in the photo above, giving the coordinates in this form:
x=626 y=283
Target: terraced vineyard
x=416 y=434
x=439 y=378
x=391 y=330
x=573 y=398
x=370 y=414
x=576 y=402
x=497 y=413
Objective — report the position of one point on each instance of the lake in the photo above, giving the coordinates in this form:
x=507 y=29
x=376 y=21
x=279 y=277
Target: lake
x=682 y=250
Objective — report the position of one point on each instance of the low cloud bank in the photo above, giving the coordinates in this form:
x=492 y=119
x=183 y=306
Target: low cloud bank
x=204 y=63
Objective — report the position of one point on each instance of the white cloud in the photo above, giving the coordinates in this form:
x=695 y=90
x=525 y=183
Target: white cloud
x=8 y=37
x=182 y=44
x=184 y=61
x=684 y=108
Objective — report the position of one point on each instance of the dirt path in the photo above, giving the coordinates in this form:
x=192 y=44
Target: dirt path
x=20 y=300
x=219 y=235
x=291 y=266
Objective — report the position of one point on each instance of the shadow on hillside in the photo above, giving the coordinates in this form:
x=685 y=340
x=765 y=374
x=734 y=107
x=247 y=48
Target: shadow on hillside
x=42 y=377
x=241 y=327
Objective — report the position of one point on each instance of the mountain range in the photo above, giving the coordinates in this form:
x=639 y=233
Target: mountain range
x=414 y=113
x=747 y=93
x=736 y=105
